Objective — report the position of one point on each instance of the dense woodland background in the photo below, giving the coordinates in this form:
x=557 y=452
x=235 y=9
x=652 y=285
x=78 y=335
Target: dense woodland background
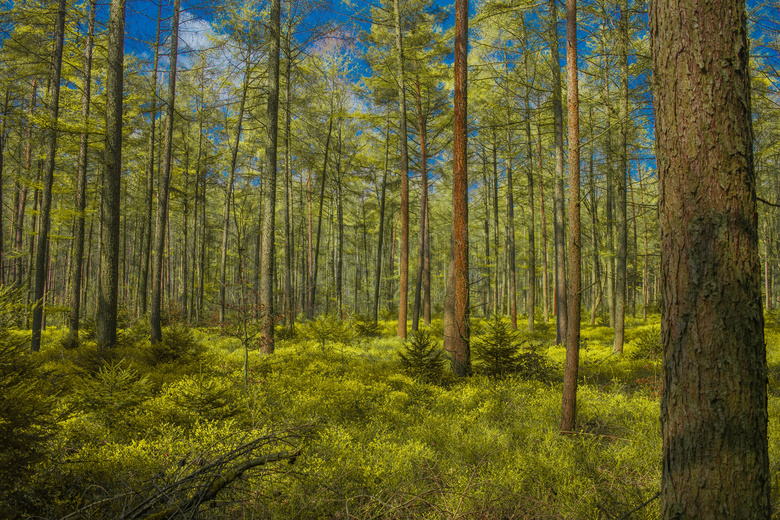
x=289 y=178
x=338 y=154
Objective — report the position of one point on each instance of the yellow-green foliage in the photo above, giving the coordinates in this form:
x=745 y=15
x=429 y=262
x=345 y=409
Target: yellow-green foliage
x=382 y=444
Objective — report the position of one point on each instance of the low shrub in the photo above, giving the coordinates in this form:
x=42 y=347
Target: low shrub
x=422 y=358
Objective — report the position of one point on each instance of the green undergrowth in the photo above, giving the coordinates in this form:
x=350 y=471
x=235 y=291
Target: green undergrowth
x=345 y=428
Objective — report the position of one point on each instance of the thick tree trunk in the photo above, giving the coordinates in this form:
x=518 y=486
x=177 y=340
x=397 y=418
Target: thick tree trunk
x=112 y=178
x=714 y=402
x=269 y=211
x=48 y=181
x=569 y=405
x=404 y=278
x=161 y=219
x=560 y=255
x=459 y=327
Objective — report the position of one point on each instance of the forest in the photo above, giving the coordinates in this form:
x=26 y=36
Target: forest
x=403 y=259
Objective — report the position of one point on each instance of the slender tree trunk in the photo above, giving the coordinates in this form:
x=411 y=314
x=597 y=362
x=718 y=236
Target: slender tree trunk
x=150 y=167
x=48 y=181
x=635 y=251
x=404 y=278
x=459 y=327
x=186 y=241
x=314 y=271
x=560 y=255
x=531 y=303
x=622 y=214
x=269 y=215
x=646 y=271
x=610 y=264
x=381 y=238
x=569 y=406
x=497 y=291
x=3 y=140
x=596 y=271
x=545 y=268
x=510 y=227
x=487 y=188
x=81 y=181
x=289 y=228
x=714 y=402
x=339 y=260
x=422 y=123
x=165 y=179
x=112 y=178
x=229 y=191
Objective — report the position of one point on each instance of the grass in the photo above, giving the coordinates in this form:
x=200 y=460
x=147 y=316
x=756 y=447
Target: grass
x=374 y=442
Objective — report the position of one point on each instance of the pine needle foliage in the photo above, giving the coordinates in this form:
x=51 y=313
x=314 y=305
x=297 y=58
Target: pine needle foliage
x=422 y=358
x=500 y=351
x=26 y=408
x=497 y=350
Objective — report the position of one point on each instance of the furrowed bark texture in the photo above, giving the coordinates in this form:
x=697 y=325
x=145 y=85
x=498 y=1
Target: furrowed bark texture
x=404 y=277
x=267 y=274
x=714 y=403
x=459 y=330
x=48 y=182
x=569 y=405
x=560 y=255
x=112 y=178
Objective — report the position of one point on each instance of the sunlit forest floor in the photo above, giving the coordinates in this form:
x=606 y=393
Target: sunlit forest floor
x=333 y=426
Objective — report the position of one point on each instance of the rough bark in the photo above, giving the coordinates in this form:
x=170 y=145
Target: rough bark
x=459 y=327
x=560 y=254
x=269 y=215
x=161 y=218
x=714 y=401
x=81 y=181
x=569 y=405
x=621 y=277
x=404 y=275
x=48 y=180
x=112 y=178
